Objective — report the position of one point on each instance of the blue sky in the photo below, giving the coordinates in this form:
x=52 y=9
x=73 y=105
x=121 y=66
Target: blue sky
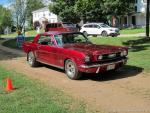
x=4 y=2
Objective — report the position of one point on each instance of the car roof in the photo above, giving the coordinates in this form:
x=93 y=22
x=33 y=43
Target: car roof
x=93 y=23
x=61 y=23
x=57 y=32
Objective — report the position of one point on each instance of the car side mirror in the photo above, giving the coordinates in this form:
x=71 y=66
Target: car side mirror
x=98 y=27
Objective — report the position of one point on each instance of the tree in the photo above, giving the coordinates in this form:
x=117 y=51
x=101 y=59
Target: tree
x=118 y=8
x=65 y=10
x=147 y=19
x=22 y=11
x=87 y=10
x=90 y=11
x=5 y=18
x=19 y=13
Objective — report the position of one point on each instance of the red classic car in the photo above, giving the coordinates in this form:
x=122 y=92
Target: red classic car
x=74 y=53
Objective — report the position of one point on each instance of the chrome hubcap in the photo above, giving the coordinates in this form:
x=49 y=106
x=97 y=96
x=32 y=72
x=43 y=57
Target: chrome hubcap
x=30 y=59
x=104 y=34
x=70 y=69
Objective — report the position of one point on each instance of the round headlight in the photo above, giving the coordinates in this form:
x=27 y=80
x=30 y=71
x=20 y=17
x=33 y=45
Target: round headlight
x=123 y=53
x=100 y=57
x=87 y=59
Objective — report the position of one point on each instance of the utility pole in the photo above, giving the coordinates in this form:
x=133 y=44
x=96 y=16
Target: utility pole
x=147 y=19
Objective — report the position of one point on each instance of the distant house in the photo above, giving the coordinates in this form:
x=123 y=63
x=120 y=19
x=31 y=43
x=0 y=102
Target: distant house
x=43 y=16
x=138 y=18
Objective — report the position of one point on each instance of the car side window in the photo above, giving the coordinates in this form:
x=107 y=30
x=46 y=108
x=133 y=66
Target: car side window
x=95 y=26
x=59 y=25
x=58 y=39
x=45 y=40
x=88 y=26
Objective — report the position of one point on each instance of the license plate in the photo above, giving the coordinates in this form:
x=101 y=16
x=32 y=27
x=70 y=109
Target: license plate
x=110 y=67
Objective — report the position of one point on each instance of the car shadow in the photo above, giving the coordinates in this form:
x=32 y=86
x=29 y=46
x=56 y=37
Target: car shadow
x=125 y=72
x=52 y=68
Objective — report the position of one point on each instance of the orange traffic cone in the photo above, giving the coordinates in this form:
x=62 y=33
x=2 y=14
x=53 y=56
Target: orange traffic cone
x=9 y=86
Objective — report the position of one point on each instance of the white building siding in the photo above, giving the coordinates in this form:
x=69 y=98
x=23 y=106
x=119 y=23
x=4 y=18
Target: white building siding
x=140 y=20
x=44 y=14
x=140 y=15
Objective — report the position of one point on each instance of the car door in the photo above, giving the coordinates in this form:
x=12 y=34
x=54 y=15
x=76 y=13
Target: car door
x=88 y=28
x=46 y=50
x=96 y=29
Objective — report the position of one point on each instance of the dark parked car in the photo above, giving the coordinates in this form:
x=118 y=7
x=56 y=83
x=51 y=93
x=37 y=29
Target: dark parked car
x=61 y=26
x=74 y=53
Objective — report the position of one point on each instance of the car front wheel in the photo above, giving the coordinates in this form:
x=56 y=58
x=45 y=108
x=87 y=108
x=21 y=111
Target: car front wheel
x=71 y=70
x=104 y=34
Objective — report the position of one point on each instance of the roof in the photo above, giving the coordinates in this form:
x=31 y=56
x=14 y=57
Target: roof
x=41 y=10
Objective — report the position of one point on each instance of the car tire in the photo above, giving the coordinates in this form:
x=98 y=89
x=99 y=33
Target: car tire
x=114 y=35
x=104 y=34
x=71 y=70
x=32 y=60
x=85 y=33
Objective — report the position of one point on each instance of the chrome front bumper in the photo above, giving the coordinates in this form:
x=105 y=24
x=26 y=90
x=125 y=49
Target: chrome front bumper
x=104 y=64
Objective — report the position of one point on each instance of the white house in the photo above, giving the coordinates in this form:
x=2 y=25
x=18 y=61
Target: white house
x=42 y=16
x=138 y=18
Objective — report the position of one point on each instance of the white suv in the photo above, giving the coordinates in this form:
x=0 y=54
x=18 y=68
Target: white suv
x=99 y=29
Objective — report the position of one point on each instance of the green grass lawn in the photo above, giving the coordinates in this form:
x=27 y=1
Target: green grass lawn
x=139 y=51
x=132 y=31
x=31 y=96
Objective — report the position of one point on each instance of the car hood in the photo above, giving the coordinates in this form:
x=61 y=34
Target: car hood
x=94 y=49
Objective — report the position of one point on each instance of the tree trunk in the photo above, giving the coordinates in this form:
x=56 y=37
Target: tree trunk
x=147 y=19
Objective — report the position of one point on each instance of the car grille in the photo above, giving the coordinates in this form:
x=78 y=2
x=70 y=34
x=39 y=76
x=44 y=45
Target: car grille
x=111 y=56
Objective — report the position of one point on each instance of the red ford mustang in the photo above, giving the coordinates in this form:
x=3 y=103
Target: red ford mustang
x=74 y=53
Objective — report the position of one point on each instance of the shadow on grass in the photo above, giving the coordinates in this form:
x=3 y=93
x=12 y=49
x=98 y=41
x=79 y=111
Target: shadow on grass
x=138 y=45
x=4 y=55
x=12 y=43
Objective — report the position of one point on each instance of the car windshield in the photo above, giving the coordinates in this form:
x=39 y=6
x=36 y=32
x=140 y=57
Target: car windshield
x=68 y=25
x=104 y=25
x=70 y=38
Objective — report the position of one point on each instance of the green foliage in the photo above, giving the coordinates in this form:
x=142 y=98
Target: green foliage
x=117 y=7
x=5 y=18
x=19 y=13
x=87 y=10
x=23 y=11
x=90 y=11
x=65 y=10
